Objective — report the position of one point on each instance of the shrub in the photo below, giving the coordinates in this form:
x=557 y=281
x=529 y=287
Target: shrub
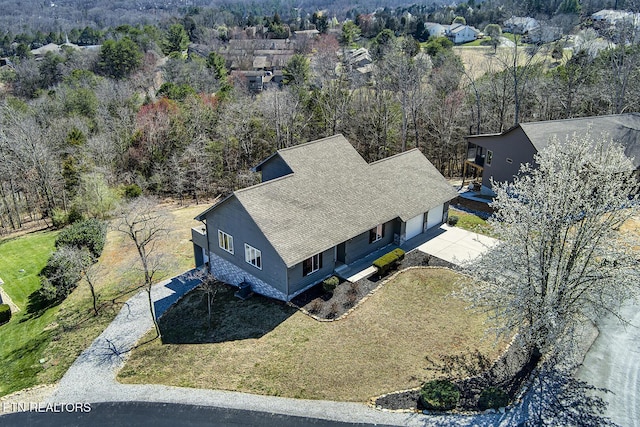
x=453 y=220
x=132 y=191
x=492 y=397
x=63 y=272
x=333 y=310
x=316 y=306
x=74 y=215
x=439 y=395
x=354 y=288
x=352 y=298
x=329 y=285
x=89 y=233
x=59 y=218
x=5 y=313
x=388 y=260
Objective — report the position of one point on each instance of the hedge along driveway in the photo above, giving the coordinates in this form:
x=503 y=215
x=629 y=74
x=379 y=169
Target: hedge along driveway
x=378 y=348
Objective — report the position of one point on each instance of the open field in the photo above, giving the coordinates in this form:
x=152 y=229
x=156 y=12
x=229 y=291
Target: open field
x=265 y=347
x=39 y=349
x=478 y=60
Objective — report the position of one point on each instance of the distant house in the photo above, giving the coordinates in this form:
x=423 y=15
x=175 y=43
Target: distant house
x=519 y=25
x=613 y=17
x=499 y=156
x=320 y=206
x=543 y=34
x=459 y=33
x=358 y=59
x=434 y=29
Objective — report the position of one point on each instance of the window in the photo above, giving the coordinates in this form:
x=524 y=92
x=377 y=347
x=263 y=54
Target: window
x=376 y=233
x=253 y=256
x=225 y=241
x=489 y=157
x=312 y=264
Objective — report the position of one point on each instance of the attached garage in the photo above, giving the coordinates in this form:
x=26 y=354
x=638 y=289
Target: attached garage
x=435 y=215
x=414 y=226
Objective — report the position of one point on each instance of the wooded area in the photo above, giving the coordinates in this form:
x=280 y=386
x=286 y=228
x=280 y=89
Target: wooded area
x=154 y=109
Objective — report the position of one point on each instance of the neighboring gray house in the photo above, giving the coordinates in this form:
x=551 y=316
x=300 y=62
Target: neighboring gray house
x=320 y=206
x=499 y=156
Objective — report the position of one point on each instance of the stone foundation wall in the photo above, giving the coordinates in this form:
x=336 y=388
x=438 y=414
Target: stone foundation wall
x=230 y=273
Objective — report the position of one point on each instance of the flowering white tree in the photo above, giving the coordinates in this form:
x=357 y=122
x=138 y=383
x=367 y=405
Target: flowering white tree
x=562 y=259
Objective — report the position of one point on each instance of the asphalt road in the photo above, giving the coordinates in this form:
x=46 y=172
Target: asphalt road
x=160 y=415
x=613 y=363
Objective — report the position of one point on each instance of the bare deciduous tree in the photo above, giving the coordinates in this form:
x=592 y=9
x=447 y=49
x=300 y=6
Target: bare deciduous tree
x=145 y=225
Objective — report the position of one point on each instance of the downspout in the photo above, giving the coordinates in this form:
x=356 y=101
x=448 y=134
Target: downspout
x=206 y=232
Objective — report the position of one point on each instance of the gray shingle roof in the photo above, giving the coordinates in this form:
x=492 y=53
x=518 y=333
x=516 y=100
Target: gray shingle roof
x=334 y=195
x=622 y=128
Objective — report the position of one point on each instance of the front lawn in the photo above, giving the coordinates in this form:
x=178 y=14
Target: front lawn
x=471 y=222
x=265 y=347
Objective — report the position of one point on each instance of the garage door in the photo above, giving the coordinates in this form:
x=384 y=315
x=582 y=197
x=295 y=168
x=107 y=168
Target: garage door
x=434 y=217
x=414 y=226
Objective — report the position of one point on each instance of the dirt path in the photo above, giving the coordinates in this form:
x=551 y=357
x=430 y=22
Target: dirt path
x=6 y=299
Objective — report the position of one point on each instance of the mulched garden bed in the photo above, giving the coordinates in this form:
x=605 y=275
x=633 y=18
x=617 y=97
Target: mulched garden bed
x=329 y=306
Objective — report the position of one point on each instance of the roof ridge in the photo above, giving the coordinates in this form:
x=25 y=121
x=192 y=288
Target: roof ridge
x=305 y=144
x=396 y=155
x=260 y=184
x=633 y=113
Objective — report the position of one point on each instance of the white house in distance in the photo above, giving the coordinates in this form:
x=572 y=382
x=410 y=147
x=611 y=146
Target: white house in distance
x=520 y=25
x=459 y=33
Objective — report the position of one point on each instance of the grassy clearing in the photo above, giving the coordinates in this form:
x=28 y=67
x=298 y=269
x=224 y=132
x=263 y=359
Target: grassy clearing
x=59 y=335
x=30 y=253
x=471 y=222
x=261 y=346
x=24 y=339
x=478 y=60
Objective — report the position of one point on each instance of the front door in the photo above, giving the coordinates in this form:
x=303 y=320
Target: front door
x=341 y=253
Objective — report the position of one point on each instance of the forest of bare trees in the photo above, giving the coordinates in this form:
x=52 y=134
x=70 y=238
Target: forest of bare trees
x=81 y=129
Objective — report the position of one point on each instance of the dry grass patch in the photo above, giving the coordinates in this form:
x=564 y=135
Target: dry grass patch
x=478 y=60
x=261 y=346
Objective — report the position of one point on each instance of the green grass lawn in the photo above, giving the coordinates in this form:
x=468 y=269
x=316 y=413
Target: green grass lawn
x=265 y=347
x=29 y=253
x=24 y=339
x=471 y=222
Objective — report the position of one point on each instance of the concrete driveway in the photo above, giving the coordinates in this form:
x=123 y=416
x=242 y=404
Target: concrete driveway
x=456 y=245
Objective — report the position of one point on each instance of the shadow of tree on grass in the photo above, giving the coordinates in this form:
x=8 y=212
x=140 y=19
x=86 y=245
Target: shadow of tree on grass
x=187 y=322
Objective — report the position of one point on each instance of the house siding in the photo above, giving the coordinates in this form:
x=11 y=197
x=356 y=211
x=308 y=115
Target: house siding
x=233 y=219
x=298 y=282
x=513 y=145
x=359 y=246
x=274 y=168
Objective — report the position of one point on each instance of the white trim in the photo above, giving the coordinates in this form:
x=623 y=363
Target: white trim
x=225 y=241
x=315 y=264
x=253 y=256
x=378 y=230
